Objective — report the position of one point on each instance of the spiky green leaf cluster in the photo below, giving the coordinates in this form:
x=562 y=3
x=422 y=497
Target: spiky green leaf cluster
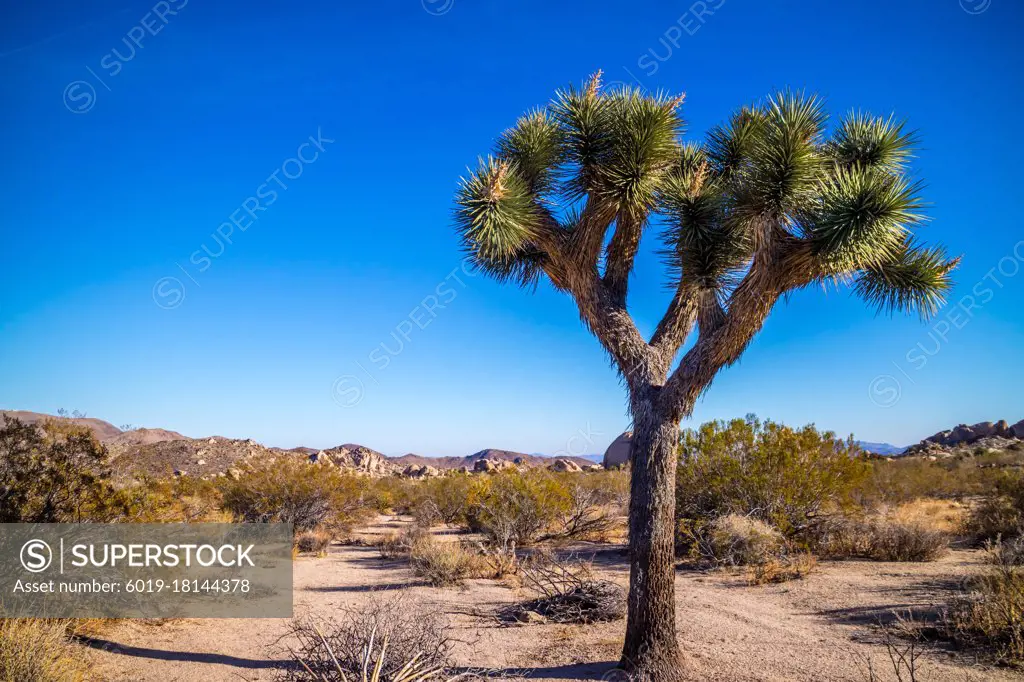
x=774 y=169
x=497 y=212
x=916 y=279
x=862 y=217
x=871 y=142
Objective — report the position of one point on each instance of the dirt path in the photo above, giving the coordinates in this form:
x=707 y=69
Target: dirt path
x=821 y=628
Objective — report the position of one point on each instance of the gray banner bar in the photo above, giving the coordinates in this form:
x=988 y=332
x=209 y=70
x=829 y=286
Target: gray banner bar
x=146 y=570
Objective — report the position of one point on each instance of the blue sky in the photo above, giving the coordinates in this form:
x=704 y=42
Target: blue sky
x=339 y=312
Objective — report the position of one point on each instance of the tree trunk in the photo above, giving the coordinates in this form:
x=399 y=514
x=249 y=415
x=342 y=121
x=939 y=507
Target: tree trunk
x=651 y=652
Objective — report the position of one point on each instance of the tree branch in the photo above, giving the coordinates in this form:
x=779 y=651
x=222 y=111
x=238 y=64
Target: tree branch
x=786 y=264
x=600 y=309
x=677 y=323
x=621 y=253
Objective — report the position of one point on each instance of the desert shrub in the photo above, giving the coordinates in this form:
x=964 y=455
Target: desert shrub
x=447 y=497
x=37 y=650
x=337 y=649
x=498 y=562
x=515 y=508
x=590 y=512
x=426 y=514
x=843 y=537
x=736 y=540
x=785 y=477
x=880 y=539
x=444 y=564
x=185 y=499
x=1001 y=514
x=396 y=494
x=780 y=569
x=53 y=473
x=894 y=541
x=288 y=490
x=961 y=476
x=313 y=541
x=989 y=613
x=567 y=593
x=1005 y=553
x=400 y=545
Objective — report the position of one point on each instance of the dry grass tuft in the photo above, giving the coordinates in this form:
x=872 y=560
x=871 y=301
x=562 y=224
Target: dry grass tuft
x=445 y=564
x=782 y=569
x=989 y=614
x=313 y=541
x=881 y=539
x=736 y=540
x=36 y=650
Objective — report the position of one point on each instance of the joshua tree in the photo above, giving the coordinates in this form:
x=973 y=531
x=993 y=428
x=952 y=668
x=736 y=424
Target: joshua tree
x=772 y=201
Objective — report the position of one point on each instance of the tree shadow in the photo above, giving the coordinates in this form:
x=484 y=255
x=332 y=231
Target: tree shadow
x=597 y=670
x=378 y=587
x=185 y=656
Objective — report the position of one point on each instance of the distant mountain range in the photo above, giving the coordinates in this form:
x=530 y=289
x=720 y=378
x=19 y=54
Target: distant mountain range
x=159 y=450
x=885 y=449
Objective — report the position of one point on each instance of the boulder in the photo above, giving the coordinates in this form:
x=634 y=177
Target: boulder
x=565 y=465
x=617 y=453
x=490 y=466
x=424 y=471
x=1018 y=429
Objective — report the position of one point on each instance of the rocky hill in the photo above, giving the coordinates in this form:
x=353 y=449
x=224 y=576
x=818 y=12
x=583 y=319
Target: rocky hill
x=101 y=429
x=986 y=435
x=161 y=452
x=469 y=462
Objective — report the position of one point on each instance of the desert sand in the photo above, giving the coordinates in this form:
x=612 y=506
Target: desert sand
x=821 y=628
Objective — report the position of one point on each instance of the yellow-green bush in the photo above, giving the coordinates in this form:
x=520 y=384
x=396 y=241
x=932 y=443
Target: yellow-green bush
x=444 y=564
x=449 y=497
x=516 y=508
x=292 y=491
x=788 y=478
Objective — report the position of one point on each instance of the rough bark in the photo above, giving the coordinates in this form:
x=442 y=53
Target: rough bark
x=651 y=651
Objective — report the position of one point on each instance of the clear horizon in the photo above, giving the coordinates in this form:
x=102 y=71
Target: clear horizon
x=142 y=285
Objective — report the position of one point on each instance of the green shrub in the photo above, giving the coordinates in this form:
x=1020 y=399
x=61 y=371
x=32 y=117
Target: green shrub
x=516 y=508
x=53 y=473
x=184 y=499
x=447 y=498
x=786 y=477
x=288 y=490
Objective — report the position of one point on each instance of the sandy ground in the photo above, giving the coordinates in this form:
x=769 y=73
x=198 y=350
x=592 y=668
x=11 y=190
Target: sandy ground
x=821 y=628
